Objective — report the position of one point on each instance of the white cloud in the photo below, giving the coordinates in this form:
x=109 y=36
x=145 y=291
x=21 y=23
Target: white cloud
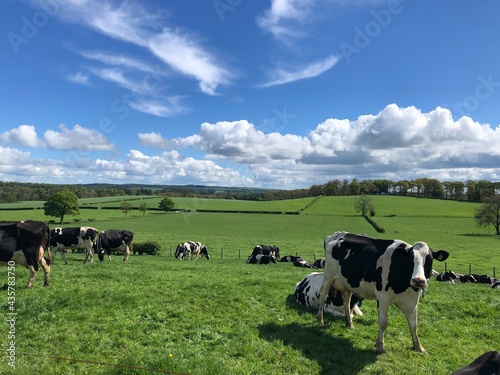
x=281 y=76
x=131 y=22
x=164 y=107
x=79 y=139
x=79 y=77
x=23 y=135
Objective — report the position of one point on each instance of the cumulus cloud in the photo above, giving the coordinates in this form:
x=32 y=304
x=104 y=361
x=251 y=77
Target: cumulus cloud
x=395 y=143
x=78 y=138
x=23 y=135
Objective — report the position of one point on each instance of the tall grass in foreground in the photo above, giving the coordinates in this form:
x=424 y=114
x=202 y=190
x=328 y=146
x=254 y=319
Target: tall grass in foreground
x=228 y=317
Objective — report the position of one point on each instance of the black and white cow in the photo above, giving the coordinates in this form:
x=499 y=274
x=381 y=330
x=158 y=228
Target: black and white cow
x=190 y=248
x=73 y=238
x=267 y=250
x=307 y=293
x=25 y=243
x=302 y=263
x=183 y=251
x=290 y=258
x=455 y=278
x=319 y=263
x=261 y=259
x=113 y=239
x=486 y=364
x=390 y=271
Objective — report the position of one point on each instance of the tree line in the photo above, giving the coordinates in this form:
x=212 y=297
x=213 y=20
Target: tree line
x=470 y=190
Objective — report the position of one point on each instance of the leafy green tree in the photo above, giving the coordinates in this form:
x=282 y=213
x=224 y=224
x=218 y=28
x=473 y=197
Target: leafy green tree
x=62 y=203
x=489 y=213
x=364 y=205
x=143 y=208
x=166 y=204
x=126 y=207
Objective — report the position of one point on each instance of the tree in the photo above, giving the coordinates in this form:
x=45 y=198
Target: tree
x=166 y=204
x=489 y=213
x=143 y=208
x=62 y=203
x=126 y=207
x=364 y=205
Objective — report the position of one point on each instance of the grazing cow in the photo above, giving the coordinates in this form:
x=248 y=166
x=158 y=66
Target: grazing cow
x=188 y=249
x=113 y=239
x=261 y=259
x=73 y=238
x=183 y=250
x=486 y=364
x=319 y=263
x=290 y=258
x=25 y=242
x=390 y=271
x=267 y=250
x=307 y=293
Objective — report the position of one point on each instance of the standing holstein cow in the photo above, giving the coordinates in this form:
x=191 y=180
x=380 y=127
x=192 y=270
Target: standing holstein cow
x=188 y=249
x=73 y=238
x=25 y=243
x=390 y=271
x=114 y=240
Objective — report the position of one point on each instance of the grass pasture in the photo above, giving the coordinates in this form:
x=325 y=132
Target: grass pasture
x=224 y=316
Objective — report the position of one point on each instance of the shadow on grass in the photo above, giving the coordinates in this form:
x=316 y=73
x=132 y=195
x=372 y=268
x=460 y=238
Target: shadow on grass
x=334 y=354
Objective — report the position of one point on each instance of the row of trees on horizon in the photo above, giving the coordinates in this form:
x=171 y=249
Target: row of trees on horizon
x=472 y=191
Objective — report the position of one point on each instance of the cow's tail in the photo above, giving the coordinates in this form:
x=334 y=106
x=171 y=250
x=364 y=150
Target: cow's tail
x=48 y=257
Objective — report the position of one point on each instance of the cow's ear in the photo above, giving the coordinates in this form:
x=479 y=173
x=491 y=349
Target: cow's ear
x=441 y=255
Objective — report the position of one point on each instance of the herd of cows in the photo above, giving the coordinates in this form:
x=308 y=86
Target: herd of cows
x=25 y=243
x=356 y=267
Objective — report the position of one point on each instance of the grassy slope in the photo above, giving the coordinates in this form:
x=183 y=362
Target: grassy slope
x=227 y=317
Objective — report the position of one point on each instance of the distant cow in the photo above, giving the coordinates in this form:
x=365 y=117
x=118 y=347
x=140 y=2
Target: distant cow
x=188 y=249
x=117 y=240
x=486 y=364
x=289 y=258
x=495 y=284
x=319 y=263
x=390 y=271
x=261 y=259
x=73 y=238
x=455 y=278
x=25 y=243
x=267 y=250
x=302 y=263
x=307 y=293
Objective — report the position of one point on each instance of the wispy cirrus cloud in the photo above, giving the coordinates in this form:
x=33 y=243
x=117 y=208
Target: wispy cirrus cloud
x=281 y=76
x=132 y=22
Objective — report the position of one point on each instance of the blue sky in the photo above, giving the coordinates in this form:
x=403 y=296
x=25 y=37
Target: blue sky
x=269 y=93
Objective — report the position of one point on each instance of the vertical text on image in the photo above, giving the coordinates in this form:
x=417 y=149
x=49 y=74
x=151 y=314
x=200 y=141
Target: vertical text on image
x=11 y=314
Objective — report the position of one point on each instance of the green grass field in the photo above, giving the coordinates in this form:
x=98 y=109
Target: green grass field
x=224 y=316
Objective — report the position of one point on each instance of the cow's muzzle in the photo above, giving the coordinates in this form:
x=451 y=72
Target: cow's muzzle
x=418 y=282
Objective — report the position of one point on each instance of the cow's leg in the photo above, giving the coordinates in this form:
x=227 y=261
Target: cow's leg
x=410 y=309
x=383 y=309
x=346 y=300
x=46 y=271
x=63 y=256
x=127 y=253
x=325 y=289
x=33 y=273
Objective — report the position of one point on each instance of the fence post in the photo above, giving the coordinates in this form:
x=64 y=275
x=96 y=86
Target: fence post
x=221 y=253
x=470 y=269
x=494 y=272
x=239 y=254
x=445 y=267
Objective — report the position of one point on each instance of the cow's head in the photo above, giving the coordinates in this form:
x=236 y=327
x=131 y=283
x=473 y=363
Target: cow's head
x=100 y=255
x=277 y=252
x=204 y=252
x=422 y=256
